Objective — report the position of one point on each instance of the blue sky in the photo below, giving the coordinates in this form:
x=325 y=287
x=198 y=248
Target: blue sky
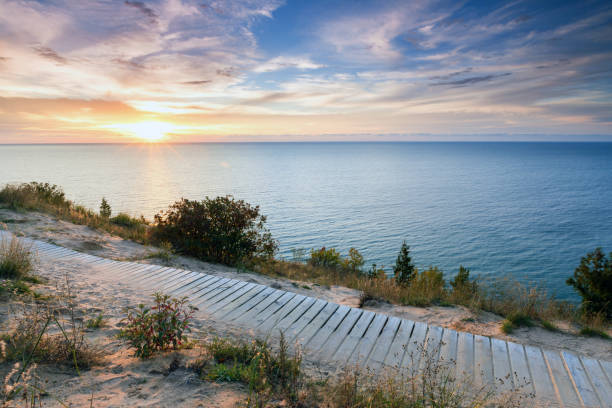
x=305 y=70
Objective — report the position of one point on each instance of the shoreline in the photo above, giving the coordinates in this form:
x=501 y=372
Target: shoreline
x=82 y=238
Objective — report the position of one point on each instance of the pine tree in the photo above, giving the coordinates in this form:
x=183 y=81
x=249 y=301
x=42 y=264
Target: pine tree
x=593 y=280
x=105 y=209
x=404 y=268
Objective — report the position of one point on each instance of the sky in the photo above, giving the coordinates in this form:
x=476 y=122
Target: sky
x=272 y=70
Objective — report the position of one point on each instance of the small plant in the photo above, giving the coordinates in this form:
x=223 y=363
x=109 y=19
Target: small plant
x=591 y=332
x=376 y=273
x=16 y=259
x=105 y=209
x=326 y=258
x=96 y=322
x=593 y=281
x=404 y=268
x=126 y=220
x=549 y=326
x=165 y=253
x=515 y=320
x=354 y=261
x=160 y=327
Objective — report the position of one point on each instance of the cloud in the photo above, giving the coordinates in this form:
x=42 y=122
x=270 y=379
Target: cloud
x=139 y=5
x=202 y=82
x=283 y=62
x=47 y=52
x=472 y=80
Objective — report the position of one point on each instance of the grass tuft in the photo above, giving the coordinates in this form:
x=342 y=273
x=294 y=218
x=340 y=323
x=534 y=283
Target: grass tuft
x=591 y=332
x=16 y=259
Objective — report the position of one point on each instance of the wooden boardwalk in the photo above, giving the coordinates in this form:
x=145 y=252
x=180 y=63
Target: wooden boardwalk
x=342 y=334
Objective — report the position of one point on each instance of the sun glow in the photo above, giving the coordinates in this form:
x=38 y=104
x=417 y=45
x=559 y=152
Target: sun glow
x=149 y=131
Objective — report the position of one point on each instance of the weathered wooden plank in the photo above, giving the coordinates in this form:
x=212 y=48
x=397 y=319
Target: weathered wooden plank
x=166 y=282
x=483 y=362
x=224 y=292
x=268 y=317
x=414 y=348
x=607 y=368
x=211 y=290
x=602 y=386
x=236 y=299
x=193 y=277
x=349 y=343
x=316 y=323
x=561 y=379
x=383 y=344
x=277 y=299
x=542 y=382
x=581 y=380
x=295 y=314
x=247 y=306
x=195 y=286
x=465 y=356
x=136 y=273
x=362 y=350
x=158 y=279
x=521 y=376
x=337 y=337
x=305 y=320
x=431 y=347
x=398 y=347
x=321 y=336
x=448 y=350
x=502 y=371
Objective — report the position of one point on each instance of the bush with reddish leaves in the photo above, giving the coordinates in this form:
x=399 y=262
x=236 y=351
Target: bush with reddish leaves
x=160 y=327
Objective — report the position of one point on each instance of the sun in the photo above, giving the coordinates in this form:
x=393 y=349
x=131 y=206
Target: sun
x=148 y=131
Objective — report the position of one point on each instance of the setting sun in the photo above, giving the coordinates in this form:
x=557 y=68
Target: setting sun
x=148 y=131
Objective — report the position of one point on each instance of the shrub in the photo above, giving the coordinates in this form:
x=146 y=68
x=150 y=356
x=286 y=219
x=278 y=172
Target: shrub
x=96 y=322
x=326 y=258
x=160 y=327
x=105 y=209
x=16 y=259
x=31 y=195
x=126 y=220
x=593 y=281
x=354 y=261
x=221 y=230
x=464 y=290
x=590 y=332
x=404 y=268
x=376 y=273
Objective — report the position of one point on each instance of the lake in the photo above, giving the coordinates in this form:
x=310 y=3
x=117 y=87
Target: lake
x=529 y=210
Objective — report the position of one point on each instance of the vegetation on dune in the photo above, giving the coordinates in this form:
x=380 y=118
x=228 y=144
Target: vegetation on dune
x=593 y=281
x=160 y=327
x=221 y=230
x=16 y=259
x=50 y=199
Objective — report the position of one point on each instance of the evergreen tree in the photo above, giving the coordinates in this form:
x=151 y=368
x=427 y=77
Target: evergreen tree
x=105 y=208
x=593 y=280
x=404 y=268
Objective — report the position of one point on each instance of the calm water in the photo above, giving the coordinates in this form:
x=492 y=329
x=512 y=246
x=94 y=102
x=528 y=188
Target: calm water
x=526 y=209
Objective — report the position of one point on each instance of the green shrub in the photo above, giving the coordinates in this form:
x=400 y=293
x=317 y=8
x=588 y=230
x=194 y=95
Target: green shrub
x=16 y=259
x=404 y=268
x=96 y=322
x=160 y=327
x=326 y=258
x=354 y=261
x=31 y=195
x=593 y=281
x=126 y=220
x=220 y=230
x=376 y=273
x=590 y=332
x=105 y=209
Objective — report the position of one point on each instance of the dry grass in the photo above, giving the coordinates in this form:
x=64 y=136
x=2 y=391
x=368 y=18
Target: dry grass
x=50 y=199
x=16 y=259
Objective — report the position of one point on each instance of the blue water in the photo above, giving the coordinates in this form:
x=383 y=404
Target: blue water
x=530 y=210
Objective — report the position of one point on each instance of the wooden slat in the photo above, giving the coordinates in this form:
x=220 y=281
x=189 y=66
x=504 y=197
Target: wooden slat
x=603 y=388
x=195 y=286
x=203 y=286
x=268 y=317
x=581 y=380
x=542 y=382
x=193 y=278
x=276 y=300
x=316 y=324
x=398 y=347
x=414 y=348
x=502 y=371
x=248 y=306
x=354 y=336
x=227 y=294
x=521 y=376
x=483 y=361
x=465 y=356
x=337 y=337
x=383 y=344
x=236 y=299
x=607 y=368
x=170 y=282
x=210 y=290
x=305 y=320
x=566 y=390
x=448 y=350
x=285 y=322
x=362 y=350
x=431 y=348
x=321 y=336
